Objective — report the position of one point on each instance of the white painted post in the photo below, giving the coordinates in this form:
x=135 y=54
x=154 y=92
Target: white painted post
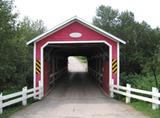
x=39 y=84
x=40 y=90
x=34 y=92
x=111 y=89
x=1 y=104
x=154 y=98
x=128 y=92
x=24 y=96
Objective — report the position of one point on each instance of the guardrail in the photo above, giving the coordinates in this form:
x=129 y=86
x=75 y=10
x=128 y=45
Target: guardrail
x=56 y=73
x=20 y=96
x=60 y=71
x=148 y=96
x=101 y=75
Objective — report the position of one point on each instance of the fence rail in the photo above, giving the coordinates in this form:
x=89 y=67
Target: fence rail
x=148 y=96
x=56 y=73
x=21 y=96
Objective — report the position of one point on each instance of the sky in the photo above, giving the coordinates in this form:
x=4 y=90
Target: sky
x=53 y=12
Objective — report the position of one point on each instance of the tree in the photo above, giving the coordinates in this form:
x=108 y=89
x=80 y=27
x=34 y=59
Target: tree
x=152 y=64
x=106 y=18
x=27 y=29
x=122 y=25
x=7 y=33
x=15 y=56
x=142 y=48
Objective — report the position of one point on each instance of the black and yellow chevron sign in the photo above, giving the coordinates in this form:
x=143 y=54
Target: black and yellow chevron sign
x=114 y=66
x=38 y=67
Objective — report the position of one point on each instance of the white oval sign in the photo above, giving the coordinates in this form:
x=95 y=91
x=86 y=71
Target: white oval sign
x=75 y=34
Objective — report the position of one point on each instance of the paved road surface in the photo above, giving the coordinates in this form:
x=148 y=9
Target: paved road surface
x=77 y=96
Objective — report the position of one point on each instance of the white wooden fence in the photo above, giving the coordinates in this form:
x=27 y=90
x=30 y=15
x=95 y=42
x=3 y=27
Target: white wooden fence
x=20 y=96
x=148 y=96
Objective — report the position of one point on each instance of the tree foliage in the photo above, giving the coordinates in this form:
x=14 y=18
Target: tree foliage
x=15 y=55
x=141 y=53
x=7 y=33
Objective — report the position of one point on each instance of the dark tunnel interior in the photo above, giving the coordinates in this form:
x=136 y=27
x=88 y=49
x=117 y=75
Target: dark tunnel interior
x=56 y=61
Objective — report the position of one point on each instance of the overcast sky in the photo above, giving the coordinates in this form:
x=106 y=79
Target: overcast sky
x=53 y=12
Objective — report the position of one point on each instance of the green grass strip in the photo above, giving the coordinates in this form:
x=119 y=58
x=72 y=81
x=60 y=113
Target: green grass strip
x=146 y=108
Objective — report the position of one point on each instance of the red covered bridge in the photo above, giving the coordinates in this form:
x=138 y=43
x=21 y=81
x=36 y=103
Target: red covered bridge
x=76 y=37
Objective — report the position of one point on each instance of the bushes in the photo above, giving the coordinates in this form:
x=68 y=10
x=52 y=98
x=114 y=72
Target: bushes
x=145 y=82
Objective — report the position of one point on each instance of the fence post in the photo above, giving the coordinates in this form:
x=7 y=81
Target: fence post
x=24 y=96
x=40 y=90
x=154 y=98
x=128 y=92
x=1 y=104
x=111 y=89
x=34 y=93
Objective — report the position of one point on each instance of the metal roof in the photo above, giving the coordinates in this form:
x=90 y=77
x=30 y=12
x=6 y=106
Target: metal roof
x=71 y=20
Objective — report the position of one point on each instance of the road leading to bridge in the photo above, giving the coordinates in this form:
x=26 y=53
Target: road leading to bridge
x=77 y=96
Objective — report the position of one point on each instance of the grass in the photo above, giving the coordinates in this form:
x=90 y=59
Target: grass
x=8 y=111
x=146 y=108
x=144 y=82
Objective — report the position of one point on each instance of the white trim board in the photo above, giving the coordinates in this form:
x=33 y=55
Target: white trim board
x=118 y=64
x=71 y=20
x=69 y=42
x=34 y=65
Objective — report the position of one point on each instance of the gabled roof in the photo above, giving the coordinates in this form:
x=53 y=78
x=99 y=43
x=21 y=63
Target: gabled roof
x=71 y=20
